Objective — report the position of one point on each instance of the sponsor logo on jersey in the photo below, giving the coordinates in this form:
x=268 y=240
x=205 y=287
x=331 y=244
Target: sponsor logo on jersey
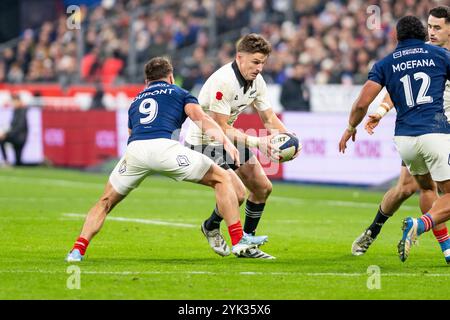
x=219 y=95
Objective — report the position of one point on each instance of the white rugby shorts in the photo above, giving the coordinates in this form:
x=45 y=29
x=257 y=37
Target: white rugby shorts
x=428 y=153
x=163 y=156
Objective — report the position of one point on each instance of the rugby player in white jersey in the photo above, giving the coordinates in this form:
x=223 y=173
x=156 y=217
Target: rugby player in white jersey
x=230 y=90
x=438 y=33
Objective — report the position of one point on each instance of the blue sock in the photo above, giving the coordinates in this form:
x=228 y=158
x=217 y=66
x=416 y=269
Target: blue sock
x=420 y=226
x=445 y=245
x=424 y=223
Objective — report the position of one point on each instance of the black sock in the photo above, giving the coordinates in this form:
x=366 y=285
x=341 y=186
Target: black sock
x=213 y=222
x=378 y=222
x=253 y=212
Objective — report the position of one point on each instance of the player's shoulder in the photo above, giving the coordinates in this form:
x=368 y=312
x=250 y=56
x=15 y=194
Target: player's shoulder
x=222 y=79
x=225 y=72
x=260 y=80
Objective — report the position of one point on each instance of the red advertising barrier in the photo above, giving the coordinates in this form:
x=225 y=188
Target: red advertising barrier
x=77 y=138
x=55 y=90
x=251 y=124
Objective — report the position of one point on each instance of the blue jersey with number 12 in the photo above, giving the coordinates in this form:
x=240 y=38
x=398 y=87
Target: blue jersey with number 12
x=158 y=111
x=414 y=75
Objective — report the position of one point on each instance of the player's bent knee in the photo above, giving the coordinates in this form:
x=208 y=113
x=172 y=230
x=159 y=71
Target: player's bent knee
x=216 y=175
x=105 y=204
x=110 y=198
x=405 y=192
x=241 y=195
x=268 y=189
x=239 y=187
x=265 y=190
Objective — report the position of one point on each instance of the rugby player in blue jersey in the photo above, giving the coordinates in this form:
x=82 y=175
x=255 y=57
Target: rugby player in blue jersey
x=154 y=116
x=414 y=75
x=439 y=35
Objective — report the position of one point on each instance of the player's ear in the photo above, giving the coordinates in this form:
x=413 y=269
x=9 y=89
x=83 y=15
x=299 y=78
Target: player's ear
x=171 y=79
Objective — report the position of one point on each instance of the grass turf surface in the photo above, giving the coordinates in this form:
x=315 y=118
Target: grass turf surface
x=310 y=230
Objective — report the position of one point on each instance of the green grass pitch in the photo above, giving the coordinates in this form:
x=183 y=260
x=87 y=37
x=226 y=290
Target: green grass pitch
x=152 y=248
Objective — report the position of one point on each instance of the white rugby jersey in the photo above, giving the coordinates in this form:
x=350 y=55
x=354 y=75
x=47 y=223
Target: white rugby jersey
x=227 y=92
x=446 y=96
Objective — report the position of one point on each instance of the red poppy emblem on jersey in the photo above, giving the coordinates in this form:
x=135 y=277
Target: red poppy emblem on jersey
x=219 y=95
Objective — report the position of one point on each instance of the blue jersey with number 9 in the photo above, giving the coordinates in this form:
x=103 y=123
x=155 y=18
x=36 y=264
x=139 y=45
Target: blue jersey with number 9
x=158 y=111
x=414 y=75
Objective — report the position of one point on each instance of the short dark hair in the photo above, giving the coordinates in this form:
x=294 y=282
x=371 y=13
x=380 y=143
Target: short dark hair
x=254 y=43
x=441 y=12
x=410 y=27
x=158 y=68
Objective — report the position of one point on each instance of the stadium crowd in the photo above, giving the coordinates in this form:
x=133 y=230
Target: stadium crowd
x=317 y=42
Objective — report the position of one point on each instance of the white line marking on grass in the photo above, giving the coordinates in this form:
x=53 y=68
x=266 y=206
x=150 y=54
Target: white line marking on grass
x=183 y=191
x=144 y=221
x=53 y=182
x=248 y=273
x=333 y=203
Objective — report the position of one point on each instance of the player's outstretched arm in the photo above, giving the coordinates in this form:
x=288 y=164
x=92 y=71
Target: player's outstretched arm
x=374 y=119
x=273 y=124
x=211 y=128
x=368 y=93
x=271 y=121
x=242 y=139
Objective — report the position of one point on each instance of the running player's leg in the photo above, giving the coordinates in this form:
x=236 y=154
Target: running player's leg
x=253 y=176
x=211 y=226
x=126 y=176
x=203 y=170
x=94 y=221
x=392 y=200
x=255 y=179
x=428 y=195
x=226 y=199
x=213 y=222
x=427 y=159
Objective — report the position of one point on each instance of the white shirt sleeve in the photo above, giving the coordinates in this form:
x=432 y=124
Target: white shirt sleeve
x=261 y=102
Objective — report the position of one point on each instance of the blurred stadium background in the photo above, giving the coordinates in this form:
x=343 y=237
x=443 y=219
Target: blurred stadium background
x=72 y=60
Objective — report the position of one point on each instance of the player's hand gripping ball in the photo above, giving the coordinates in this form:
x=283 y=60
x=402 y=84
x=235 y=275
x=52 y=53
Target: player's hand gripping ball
x=287 y=145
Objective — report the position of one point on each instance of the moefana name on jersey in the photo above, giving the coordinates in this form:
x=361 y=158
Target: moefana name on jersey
x=411 y=64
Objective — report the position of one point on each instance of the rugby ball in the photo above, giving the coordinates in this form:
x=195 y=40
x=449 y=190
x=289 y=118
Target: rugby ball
x=287 y=145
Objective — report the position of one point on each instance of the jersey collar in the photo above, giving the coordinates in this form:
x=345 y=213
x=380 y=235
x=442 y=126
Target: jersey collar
x=409 y=42
x=155 y=82
x=244 y=83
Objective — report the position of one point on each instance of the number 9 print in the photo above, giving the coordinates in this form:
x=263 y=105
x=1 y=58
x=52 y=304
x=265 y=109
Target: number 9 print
x=148 y=107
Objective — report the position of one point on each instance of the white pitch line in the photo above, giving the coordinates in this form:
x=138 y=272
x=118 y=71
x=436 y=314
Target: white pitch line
x=333 y=203
x=182 y=191
x=144 y=221
x=246 y=273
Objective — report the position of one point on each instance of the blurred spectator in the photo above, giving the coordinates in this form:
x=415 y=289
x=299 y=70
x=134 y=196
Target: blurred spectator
x=335 y=40
x=15 y=74
x=17 y=132
x=294 y=92
x=97 y=99
x=111 y=68
x=90 y=66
